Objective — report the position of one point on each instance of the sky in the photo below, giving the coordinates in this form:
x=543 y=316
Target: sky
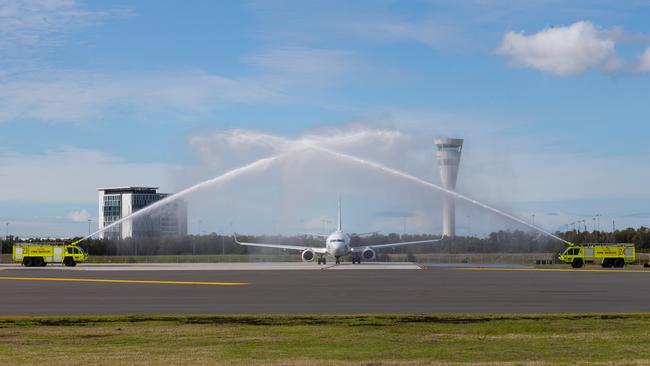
x=551 y=97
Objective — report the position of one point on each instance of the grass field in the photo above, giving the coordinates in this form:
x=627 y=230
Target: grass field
x=327 y=340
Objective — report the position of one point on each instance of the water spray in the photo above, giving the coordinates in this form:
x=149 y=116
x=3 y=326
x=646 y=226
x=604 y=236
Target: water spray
x=404 y=175
x=260 y=164
x=264 y=163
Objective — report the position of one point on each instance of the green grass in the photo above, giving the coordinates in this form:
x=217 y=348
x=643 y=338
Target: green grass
x=327 y=340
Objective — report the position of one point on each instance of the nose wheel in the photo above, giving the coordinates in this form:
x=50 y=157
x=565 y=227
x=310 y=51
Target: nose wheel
x=338 y=260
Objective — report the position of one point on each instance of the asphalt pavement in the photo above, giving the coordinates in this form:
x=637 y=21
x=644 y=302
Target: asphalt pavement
x=419 y=289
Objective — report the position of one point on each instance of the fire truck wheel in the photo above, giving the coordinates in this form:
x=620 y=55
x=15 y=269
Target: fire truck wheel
x=577 y=263
x=27 y=262
x=606 y=263
x=619 y=263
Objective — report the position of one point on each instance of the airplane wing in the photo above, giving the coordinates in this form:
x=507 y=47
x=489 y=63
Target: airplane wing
x=366 y=234
x=379 y=246
x=282 y=246
x=316 y=235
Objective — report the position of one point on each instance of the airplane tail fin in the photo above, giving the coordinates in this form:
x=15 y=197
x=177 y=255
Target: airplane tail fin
x=339 y=227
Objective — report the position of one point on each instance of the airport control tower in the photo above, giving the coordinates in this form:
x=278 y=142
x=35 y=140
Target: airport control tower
x=448 y=156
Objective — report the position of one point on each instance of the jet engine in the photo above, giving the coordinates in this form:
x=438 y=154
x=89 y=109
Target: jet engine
x=368 y=254
x=308 y=255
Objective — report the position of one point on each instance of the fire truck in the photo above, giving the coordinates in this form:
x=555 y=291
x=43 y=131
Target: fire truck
x=39 y=255
x=607 y=255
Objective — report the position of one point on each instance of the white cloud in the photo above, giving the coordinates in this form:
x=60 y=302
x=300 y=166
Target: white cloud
x=75 y=95
x=563 y=51
x=310 y=62
x=78 y=216
x=71 y=175
x=34 y=22
x=433 y=32
x=644 y=62
x=343 y=22
x=278 y=76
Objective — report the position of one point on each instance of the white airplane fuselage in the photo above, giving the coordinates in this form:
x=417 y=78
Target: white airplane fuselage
x=338 y=244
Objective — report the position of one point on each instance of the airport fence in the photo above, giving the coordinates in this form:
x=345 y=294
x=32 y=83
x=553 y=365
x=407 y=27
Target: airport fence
x=472 y=258
x=206 y=258
x=488 y=258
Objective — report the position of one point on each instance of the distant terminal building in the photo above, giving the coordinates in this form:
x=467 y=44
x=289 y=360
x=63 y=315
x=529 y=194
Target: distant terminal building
x=448 y=156
x=118 y=202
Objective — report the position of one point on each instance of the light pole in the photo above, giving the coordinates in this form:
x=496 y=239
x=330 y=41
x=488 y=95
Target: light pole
x=533 y=219
x=7 y=233
x=598 y=216
x=594 y=220
x=89 y=223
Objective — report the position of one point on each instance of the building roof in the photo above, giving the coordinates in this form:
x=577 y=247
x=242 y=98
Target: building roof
x=449 y=141
x=127 y=189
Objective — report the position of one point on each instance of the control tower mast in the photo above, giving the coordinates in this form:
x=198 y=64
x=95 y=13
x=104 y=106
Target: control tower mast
x=448 y=157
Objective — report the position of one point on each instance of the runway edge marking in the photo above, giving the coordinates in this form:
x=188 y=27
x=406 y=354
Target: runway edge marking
x=99 y=280
x=552 y=270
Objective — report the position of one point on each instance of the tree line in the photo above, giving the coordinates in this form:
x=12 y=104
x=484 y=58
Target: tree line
x=503 y=241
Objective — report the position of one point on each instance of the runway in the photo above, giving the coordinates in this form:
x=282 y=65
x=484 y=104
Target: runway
x=308 y=288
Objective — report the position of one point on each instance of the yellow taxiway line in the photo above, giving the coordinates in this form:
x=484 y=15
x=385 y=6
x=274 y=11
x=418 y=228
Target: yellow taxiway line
x=553 y=270
x=123 y=281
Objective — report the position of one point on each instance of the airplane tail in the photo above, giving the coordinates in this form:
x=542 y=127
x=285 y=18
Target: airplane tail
x=339 y=227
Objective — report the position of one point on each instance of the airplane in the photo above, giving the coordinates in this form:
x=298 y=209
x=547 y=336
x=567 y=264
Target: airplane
x=337 y=244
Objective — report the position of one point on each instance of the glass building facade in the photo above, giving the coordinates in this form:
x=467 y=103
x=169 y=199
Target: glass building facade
x=116 y=203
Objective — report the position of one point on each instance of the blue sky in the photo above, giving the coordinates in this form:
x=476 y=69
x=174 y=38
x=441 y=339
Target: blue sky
x=551 y=97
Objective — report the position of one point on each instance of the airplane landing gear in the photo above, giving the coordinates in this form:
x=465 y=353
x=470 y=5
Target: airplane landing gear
x=338 y=260
x=356 y=260
x=322 y=260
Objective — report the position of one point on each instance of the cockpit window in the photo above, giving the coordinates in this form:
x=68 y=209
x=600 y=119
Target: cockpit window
x=337 y=241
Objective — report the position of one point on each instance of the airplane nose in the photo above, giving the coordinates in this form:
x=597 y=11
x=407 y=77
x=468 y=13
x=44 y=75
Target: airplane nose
x=339 y=250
